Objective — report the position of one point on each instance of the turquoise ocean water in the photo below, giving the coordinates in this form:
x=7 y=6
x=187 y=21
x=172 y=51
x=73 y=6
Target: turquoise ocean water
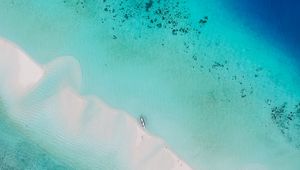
x=220 y=94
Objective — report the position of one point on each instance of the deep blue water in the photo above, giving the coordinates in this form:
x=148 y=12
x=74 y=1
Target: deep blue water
x=277 y=20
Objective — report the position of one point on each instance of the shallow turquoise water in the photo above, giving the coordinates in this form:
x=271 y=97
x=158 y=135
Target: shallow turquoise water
x=216 y=97
x=19 y=152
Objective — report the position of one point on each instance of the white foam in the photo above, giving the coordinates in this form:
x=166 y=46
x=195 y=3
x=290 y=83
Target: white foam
x=81 y=130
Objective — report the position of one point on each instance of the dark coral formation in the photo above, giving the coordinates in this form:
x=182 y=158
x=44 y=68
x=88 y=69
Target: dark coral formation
x=149 y=15
x=288 y=122
x=203 y=21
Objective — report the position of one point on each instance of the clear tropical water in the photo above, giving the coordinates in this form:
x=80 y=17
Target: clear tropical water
x=219 y=92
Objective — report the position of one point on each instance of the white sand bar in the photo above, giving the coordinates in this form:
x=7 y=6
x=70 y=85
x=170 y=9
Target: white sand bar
x=82 y=130
x=17 y=71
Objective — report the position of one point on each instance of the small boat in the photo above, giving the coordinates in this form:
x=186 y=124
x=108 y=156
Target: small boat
x=142 y=121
